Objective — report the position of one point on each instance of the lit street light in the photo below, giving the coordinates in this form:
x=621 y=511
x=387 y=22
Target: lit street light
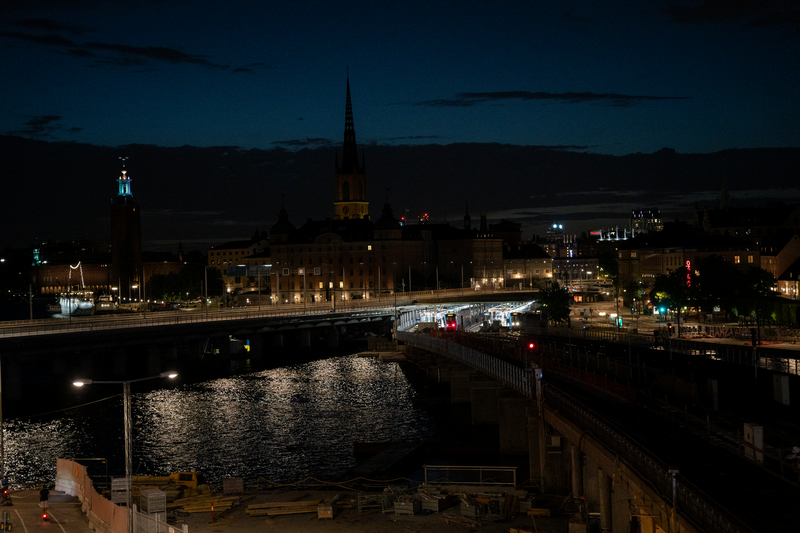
x=128 y=418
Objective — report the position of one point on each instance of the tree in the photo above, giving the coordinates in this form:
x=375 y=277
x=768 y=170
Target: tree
x=717 y=284
x=632 y=294
x=756 y=296
x=555 y=302
x=673 y=291
x=608 y=263
x=187 y=284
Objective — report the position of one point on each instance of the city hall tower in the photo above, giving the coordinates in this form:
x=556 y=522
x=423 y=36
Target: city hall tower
x=126 y=239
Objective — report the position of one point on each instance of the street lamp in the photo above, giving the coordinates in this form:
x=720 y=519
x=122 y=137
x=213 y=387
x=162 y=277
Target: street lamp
x=128 y=418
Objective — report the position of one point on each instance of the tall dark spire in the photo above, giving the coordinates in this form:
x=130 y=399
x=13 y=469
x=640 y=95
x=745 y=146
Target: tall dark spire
x=349 y=149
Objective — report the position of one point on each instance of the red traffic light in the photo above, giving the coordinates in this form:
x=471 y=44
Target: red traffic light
x=531 y=346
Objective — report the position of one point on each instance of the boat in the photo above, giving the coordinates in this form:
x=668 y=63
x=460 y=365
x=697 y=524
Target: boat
x=77 y=302
x=105 y=304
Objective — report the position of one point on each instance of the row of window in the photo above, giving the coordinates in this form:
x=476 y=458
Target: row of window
x=330 y=248
x=321 y=285
x=330 y=260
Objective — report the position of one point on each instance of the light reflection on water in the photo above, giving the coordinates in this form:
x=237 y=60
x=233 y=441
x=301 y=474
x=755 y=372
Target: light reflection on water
x=281 y=424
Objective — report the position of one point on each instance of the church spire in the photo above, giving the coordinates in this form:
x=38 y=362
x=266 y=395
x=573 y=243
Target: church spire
x=351 y=179
x=349 y=149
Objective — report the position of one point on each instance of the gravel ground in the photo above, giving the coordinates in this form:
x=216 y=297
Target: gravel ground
x=348 y=519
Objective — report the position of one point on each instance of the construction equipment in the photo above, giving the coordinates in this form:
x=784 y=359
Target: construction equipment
x=177 y=485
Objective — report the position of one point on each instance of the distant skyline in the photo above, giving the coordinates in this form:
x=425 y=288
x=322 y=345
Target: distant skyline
x=610 y=78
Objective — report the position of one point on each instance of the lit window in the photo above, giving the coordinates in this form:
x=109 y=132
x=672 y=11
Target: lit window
x=736 y=259
x=369 y=247
x=749 y=258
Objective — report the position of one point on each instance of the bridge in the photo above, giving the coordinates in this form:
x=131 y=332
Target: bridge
x=611 y=421
x=38 y=354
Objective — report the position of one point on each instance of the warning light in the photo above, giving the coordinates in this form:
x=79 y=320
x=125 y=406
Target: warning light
x=531 y=346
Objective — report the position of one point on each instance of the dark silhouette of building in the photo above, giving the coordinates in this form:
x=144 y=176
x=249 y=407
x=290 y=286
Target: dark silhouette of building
x=126 y=236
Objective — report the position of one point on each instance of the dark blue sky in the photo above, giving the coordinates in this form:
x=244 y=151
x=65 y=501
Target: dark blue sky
x=608 y=77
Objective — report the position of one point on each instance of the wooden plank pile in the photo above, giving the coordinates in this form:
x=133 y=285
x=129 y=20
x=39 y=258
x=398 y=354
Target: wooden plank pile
x=282 y=508
x=203 y=504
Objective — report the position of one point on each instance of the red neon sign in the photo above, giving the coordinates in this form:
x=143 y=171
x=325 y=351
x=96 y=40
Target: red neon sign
x=688 y=273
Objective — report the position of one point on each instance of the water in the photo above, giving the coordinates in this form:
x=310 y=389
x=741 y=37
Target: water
x=281 y=425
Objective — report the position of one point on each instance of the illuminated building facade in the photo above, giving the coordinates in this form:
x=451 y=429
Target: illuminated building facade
x=644 y=220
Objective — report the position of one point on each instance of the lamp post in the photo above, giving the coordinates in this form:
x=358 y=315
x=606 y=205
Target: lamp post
x=128 y=419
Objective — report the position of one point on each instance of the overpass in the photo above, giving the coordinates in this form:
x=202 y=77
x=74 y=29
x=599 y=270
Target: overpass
x=628 y=459
x=36 y=353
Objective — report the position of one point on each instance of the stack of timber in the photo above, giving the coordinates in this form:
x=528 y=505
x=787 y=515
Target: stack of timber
x=204 y=504
x=281 y=508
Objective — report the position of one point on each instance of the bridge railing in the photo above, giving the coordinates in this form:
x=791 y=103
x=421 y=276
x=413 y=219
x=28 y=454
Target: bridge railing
x=778 y=359
x=692 y=502
x=471 y=475
x=518 y=378
x=142 y=320
x=47 y=326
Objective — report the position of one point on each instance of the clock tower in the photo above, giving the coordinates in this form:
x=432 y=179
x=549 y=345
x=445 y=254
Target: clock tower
x=351 y=178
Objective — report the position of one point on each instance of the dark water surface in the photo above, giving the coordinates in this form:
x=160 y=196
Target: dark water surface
x=281 y=424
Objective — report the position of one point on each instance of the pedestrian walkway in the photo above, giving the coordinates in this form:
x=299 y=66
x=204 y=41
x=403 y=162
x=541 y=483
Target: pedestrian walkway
x=25 y=515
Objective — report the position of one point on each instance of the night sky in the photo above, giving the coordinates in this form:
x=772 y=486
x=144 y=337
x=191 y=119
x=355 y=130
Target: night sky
x=606 y=77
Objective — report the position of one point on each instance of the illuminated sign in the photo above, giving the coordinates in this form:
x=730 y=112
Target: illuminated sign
x=688 y=273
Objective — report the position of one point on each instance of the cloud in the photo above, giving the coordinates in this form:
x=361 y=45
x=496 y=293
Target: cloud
x=158 y=53
x=307 y=142
x=753 y=12
x=43 y=127
x=49 y=25
x=249 y=68
x=612 y=99
x=413 y=138
x=50 y=39
x=115 y=54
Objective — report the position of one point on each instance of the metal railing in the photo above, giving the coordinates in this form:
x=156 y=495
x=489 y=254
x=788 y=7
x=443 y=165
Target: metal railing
x=471 y=475
x=171 y=318
x=155 y=523
x=692 y=502
x=518 y=378
x=49 y=326
x=777 y=359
